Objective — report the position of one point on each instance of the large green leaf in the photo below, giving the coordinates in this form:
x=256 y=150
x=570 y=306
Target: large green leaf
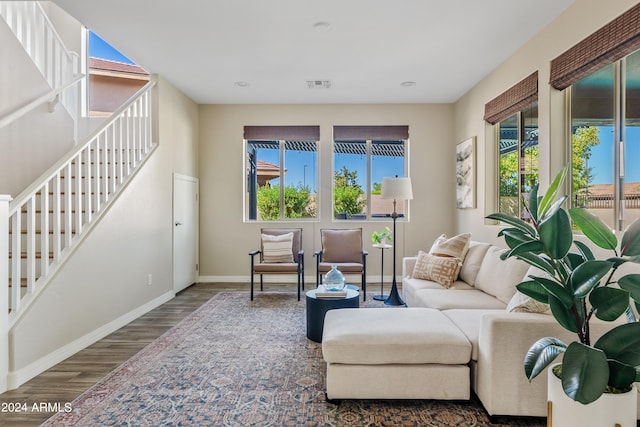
x=556 y=235
x=516 y=222
x=621 y=375
x=537 y=261
x=535 y=290
x=585 y=372
x=557 y=290
x=622 y=343
x=562 y=314
x=541 y=354
x=630 y=245
x=584 y=250
x=587 y=275
x=551 y=194
x=609 y=303
x=533 y=246
x=514 y=236
x=631 y=284
x=594 y=228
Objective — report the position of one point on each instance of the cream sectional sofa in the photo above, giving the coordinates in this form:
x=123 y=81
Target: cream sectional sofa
x=498 y=322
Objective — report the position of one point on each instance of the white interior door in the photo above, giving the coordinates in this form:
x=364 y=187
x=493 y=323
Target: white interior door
x=185 y=231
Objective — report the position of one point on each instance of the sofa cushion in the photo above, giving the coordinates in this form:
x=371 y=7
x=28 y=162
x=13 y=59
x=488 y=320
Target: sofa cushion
x=440 y=269
x=410 y=286
x=469 y=321
x=376 y=336
x=445 y=299
x=499 y=278
x=472 y=261
x=277 y=249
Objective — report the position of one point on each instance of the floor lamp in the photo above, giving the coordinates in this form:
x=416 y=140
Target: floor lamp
x=396 y=189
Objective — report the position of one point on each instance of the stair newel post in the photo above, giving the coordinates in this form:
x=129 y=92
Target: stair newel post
x=4 y=290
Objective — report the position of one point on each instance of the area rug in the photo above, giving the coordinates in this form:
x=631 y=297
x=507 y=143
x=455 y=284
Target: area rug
x=236 y=362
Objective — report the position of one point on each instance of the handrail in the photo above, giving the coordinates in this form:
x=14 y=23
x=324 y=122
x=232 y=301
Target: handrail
x=38 y=36
x=49 y=218
x=26 y=194
x=47 y=97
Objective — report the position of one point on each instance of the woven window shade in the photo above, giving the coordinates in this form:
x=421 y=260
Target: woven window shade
x=275 y=133
x=517 y=98
x=610 y=43
x=373 y=133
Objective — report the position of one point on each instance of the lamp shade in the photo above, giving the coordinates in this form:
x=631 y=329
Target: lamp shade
x=397 y=188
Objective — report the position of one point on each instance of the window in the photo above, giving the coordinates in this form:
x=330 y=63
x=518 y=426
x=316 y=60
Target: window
x=362 y=156
x=518 y=164
x=605 y=142
x=281 y=172
x=515 y=112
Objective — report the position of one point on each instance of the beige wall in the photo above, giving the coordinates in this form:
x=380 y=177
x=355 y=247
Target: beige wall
x=225 y=239
x=577 y=22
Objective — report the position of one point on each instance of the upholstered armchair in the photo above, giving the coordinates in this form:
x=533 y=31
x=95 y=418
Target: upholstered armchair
x=280 y=253
x=342 y=248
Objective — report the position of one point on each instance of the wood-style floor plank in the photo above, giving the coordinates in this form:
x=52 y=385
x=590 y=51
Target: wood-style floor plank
x=70 y=378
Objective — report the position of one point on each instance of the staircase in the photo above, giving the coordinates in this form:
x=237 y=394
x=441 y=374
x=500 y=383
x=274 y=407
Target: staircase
x=43 y=225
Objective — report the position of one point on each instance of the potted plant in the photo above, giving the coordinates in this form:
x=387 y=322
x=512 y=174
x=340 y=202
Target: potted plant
x=380 y=237
x=577 y=287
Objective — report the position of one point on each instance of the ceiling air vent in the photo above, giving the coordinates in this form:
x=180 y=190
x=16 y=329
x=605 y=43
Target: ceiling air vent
x=319 y=84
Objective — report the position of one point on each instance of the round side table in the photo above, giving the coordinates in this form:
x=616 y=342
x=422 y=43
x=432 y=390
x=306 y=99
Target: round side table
x=318 y=307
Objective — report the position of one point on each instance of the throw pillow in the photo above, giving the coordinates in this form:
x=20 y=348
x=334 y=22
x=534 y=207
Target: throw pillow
x=277 y=249
x=440 y=269
x=456 y=246
x=520 y=303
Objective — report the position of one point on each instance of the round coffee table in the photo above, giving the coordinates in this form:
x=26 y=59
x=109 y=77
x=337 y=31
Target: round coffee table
x=318 y=307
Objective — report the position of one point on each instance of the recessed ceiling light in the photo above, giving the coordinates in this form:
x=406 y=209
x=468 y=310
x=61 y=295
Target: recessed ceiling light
x=242 y=84
x=408 y=84
x=321 y=27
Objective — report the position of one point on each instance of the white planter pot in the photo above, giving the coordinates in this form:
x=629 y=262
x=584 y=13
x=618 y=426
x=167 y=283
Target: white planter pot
x=610 y=410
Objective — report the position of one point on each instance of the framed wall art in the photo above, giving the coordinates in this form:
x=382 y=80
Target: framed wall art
x=465 y=174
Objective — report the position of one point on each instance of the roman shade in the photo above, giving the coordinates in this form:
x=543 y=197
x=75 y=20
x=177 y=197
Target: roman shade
x=276 y=133
x=514 y=99
x=610 y=43
x=372 y=133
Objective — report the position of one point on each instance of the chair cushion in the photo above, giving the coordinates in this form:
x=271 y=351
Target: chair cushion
x=440 y=269
x=341 y=246
x=280 y=267
x=344 y=267
x=277 y=249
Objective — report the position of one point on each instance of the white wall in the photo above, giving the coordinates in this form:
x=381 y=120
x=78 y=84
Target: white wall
x=34 y=142
x=579 y=21
x=225 y=239
x=105 y=283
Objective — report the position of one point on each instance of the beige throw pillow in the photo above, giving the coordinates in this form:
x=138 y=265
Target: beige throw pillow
x=440 y=269
x=520 y=303
x=455 y=247
x=277 y=249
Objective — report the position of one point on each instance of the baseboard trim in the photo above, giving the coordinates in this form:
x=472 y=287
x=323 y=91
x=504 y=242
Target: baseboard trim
x=17 y=378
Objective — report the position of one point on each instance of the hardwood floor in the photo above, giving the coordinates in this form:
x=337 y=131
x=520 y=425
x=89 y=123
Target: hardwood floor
x=67 y=380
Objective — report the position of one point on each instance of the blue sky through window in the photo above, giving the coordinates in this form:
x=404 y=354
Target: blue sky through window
x=602 y=155
x=99 y=48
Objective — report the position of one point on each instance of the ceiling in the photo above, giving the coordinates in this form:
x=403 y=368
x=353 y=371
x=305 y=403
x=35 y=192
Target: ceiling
x=266 y=51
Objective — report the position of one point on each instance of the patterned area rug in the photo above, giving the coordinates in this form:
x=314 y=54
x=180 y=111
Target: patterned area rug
x=236 y=362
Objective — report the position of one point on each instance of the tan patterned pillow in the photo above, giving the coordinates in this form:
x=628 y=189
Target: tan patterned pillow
x=440 y=269
x=277 y=249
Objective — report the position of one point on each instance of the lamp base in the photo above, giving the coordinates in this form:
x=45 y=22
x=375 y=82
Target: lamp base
x=394 y=296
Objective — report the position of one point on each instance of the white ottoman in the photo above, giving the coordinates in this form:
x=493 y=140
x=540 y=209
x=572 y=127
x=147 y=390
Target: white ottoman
x=395 y=353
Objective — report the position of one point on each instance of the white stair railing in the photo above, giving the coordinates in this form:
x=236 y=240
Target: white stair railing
x=59 y=67
x=49 y=217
